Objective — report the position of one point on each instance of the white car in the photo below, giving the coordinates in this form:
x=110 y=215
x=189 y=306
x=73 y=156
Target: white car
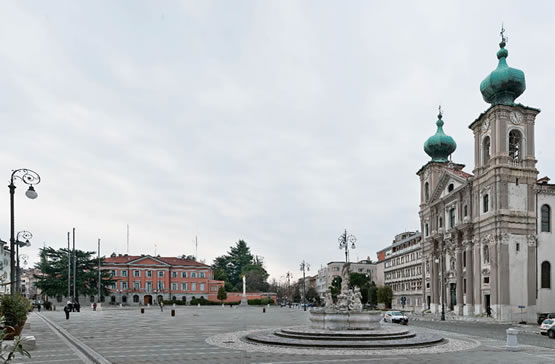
x=397 y=317
x=546 y=325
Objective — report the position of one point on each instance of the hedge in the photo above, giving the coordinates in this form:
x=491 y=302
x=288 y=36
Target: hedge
x=261 y=301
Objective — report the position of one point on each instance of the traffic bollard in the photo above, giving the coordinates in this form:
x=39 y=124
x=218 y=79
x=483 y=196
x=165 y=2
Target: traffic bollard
x=512 y=340
x=142 y=310
x=173 y=312
x=263 y=309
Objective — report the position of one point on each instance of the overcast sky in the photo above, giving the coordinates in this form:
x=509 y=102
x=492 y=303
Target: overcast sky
x=277 y=122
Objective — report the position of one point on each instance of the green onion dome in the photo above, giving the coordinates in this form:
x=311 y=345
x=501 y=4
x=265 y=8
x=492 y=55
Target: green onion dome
x=439 y=146
x=504 y=84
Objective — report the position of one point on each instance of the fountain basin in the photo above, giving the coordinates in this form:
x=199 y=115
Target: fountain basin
x=345 y=320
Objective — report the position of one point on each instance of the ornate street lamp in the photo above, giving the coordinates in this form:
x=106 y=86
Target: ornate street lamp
x=22 y=240
x=31 y=178
x=304 y=267
x=442 y=286
x=344 y=240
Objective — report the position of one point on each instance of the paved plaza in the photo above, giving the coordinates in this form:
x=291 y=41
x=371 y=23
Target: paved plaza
x=209 y=335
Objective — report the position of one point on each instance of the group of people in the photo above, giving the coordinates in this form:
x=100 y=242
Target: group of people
x=71 y=307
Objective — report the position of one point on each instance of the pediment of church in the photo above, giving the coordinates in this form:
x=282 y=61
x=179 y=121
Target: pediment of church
x=448 y=177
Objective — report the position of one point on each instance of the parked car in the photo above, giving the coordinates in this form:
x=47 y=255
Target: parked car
x=396 y=317
x=551 y=332
x=546 y=325
x=543 y=316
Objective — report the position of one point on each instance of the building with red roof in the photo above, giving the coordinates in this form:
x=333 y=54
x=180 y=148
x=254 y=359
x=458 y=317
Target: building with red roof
x=147 y=279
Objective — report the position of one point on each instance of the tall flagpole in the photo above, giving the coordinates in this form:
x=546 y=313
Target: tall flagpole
x=98 y=269
x=74 y=265
x=68 y=267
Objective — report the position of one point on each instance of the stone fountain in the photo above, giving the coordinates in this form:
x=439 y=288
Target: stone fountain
x=344 y=324
x=346 y=313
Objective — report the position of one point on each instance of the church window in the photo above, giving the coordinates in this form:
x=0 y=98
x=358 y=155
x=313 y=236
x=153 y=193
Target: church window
x=450 y=187
x=486 y=254
x=426 y=229
x=546 y=274
x=426 y=191
x=486 y=203
x=515 y=145
x=486 y=280
x=546 y=218
x=452 y=217
x=517 y=247
x=440 y=222
x=485 y=149
x=465 y=210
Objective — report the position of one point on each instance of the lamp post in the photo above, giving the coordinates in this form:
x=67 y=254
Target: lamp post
x=344 y=240
x=289 y=275
x=442 y=286
x=304 y=267
x=31 y=178
x=21 y=242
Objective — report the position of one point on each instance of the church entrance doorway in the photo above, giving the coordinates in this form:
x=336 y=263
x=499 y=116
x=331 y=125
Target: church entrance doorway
x=148 y=300
x=487 y=304
x=453 y=294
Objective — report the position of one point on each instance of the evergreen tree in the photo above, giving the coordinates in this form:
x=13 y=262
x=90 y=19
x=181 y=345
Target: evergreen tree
x=385 y=295
x=222 y=295
x=53 y=277
x=240 y=261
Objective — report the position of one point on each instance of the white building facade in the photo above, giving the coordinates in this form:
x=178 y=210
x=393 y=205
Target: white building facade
x=402 y=271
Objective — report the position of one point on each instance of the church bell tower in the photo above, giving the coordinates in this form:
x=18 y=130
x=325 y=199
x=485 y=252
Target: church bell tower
x=504 y=211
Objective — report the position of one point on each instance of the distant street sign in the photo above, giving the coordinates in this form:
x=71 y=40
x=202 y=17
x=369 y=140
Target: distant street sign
x=521 y=307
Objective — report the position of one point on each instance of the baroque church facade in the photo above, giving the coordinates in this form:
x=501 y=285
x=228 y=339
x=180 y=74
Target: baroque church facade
x=488 y=245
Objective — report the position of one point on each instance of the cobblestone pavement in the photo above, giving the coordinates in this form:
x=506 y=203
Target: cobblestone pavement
x=127 y=336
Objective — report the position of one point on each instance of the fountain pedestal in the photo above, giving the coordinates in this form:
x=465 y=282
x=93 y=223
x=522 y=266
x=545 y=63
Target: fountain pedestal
x=345 y=320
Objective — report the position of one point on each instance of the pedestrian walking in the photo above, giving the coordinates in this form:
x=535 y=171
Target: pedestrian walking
x=488 y=311
x=67 y=309
x=161 y=306
x=38 y=306
x=77 y=306
x=94 y=306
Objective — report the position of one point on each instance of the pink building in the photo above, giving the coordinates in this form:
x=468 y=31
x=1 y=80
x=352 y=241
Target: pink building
x=146 y=279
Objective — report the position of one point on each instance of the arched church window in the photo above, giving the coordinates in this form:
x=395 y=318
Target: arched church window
x=486 y=253
x=486 y=203
x=515 y=145
x=546 y=274
x=546 y=218
x=485 y=149
x=426 y=191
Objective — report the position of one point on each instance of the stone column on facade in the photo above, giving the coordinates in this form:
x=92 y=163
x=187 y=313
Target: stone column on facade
x=494 y=298
x=477 y=289
x=433 y=282
x=459 y=275
x=469 y=278
x=532 y=241
x=424 y=299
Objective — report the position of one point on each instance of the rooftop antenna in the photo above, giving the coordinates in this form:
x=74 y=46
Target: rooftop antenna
x=127 y=238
